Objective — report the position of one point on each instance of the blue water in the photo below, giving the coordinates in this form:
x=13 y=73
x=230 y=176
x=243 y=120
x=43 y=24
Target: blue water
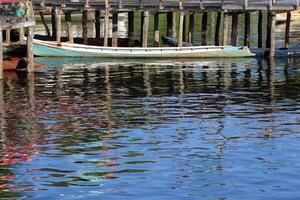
x=183 y=129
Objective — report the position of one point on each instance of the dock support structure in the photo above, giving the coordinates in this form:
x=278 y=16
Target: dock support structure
x=272 y=35
x=191 y=28
x=85 y=27
x=68 y=19
x=180 y=32
x=30 y=65
x=106 y=28
x=45 y=23
x=53 y=22
x=97 y=23
x=204 y=29
x=287 y=30
x=145 y=29
x=260 y=30
x=156 y=30
x=234 y=29
x=58 y=24
x=131 y=28
x=247 y=29
x=171 y=22
x=217 y=29
x=115 y=21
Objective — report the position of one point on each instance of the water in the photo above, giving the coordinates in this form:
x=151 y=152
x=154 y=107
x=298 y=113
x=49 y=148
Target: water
x=183 y=129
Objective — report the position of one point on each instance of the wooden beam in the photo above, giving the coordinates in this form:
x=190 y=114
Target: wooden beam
x=1 y=54
x=204 y=29
x=21 y=35
x=142 y=25
x=45 y=23
x=247 y=29
x=272 y=35
x=217 y=29
x=115 y=22
x=269 y=26
x=7 y=36
x=226 y=29
x=85 y=26
x=97 y=23
x=260 y=29
x=234 y=29
x=68 y=19
x=53 y=22
x=191 y=28
x=156 y=30
x=58 y=24
x=145 y=29
x=180 y=32
x=30 y=65
x=106 y=27
x=184 y=29
x=287 y=30
x=131 y=28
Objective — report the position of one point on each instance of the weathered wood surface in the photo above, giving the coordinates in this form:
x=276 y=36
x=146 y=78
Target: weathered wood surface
x=174 y=4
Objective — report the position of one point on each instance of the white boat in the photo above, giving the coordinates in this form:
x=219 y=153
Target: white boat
x=65 y=49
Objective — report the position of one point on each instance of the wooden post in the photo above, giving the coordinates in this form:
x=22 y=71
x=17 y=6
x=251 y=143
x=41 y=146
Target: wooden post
x=58 y=24
x=191 y=28
x=21 y=35
x=7 y=36
x=269 y=24
x=234 y=29
x=53 y=22
x=260 y=30
x=180 y=32
x=106 y=28
x=204 y=29
x=1 y=54
x=173 y=27
x=217 y=30
x=30 y=65
x=115 y=29
x=287 y=30
x=226 y=29
x=170 y=24
x=131 y=28
x=45 y=23
x=85 y=27
x=156 y=30
x=272 y=35
x=247 y=30
x=68 y=19
x=142 y=25
x=184 y=29
x=145 y=29
x=97 y=23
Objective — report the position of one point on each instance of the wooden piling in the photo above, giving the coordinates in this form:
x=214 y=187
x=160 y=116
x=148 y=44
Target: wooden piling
x=234 y=29
x=1 y=54
x=30 y=65
x=184 y=29
x=142 y=25
x=58 y=24
x=131 y=28
x=106 y=27
x=7 y=36
x=191 y=28
x=180 y=32
x=226 y=29
x=85 y=26
x=204 y=29
x=247 y=29
x=68 y=19
x=287 y=30
x=269 y=25
x=115 y=29
x=21 y=35
x=45 y=23
x=53 y=22
x=156 y=30
x=171 y=21
x=97 y=23
x=145 y=29
x=260 y=30
x=217 y=29
x=272 y=35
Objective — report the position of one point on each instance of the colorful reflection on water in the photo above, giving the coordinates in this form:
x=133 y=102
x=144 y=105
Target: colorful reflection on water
x=185 y=129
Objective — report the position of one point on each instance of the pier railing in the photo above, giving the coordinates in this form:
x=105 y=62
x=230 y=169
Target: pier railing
x=175 y=4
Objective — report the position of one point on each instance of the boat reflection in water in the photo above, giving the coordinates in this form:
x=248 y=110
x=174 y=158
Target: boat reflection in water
x=88 y=128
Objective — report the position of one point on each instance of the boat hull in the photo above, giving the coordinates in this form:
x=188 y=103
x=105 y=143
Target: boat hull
x=54 y=49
